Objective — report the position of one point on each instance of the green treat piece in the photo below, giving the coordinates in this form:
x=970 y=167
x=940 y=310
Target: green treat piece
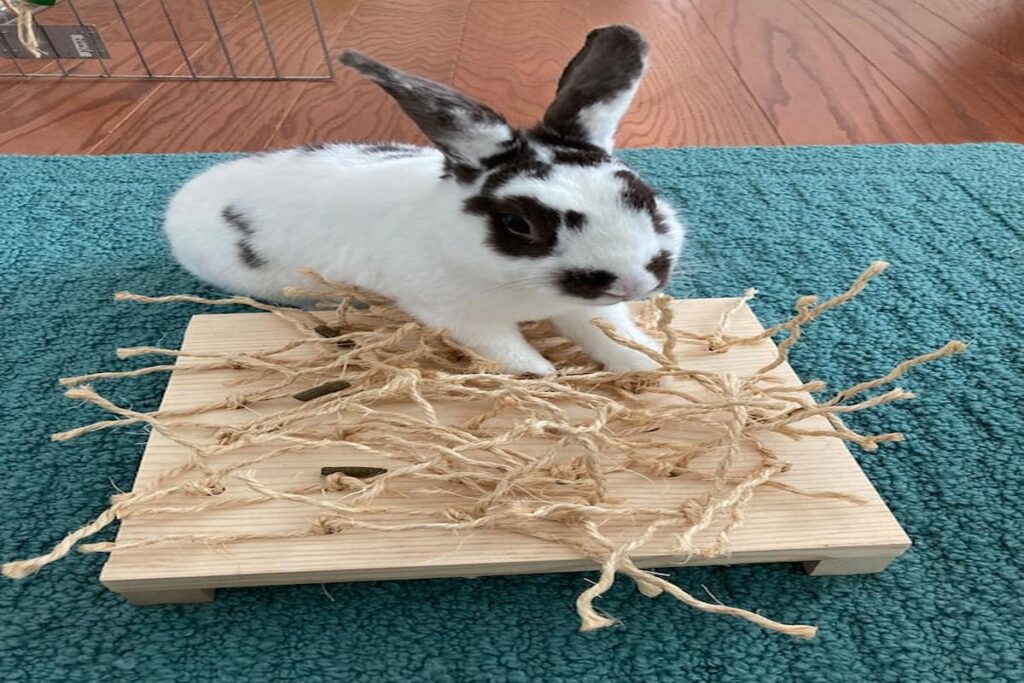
x=322 y=390
x=353 y=471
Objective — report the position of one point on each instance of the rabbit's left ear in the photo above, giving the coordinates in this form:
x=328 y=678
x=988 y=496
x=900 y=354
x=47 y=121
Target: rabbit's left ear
x=466 y=131
x=598 y=85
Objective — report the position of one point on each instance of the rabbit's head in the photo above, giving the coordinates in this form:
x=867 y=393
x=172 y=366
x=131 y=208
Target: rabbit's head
x=557 y=211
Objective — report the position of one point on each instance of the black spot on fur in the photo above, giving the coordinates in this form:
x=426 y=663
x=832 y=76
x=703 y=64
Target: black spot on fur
x=636 y=195
x=517 y=159
x=580 y=158
x=377 y=147
x=639 y=197
x=392 y=150
x=575 y=220
x=246 y=253
x=248 y=256
x=586 y=284
x=315 y=146
x=516 y=151
x=660 y=267
x=660 y=225
x=565 y=140
x=497 y=178
x=543 y=220
x=463 y=173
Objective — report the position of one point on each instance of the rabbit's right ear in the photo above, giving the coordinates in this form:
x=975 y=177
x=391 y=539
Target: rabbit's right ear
x=466 y=131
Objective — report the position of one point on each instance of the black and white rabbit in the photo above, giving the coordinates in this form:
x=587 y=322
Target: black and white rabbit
x=490 y=227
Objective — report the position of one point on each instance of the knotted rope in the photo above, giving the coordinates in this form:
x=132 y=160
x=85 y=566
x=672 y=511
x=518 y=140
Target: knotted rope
x=343 y=371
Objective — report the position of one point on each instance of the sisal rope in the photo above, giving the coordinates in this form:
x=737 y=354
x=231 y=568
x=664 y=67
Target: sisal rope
x=26 y=25
x=476 y=475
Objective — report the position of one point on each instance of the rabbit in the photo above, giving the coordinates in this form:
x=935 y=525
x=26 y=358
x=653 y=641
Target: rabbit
x=489 y=227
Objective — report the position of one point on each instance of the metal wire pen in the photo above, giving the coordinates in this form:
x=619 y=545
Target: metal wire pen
x=233 y=36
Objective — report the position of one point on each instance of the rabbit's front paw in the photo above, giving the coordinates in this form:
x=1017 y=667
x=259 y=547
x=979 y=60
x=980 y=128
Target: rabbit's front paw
x=627 y=360
x=500 y=341
x=538 y=367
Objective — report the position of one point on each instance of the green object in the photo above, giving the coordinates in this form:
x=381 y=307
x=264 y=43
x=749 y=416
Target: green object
x=787 y=221
x=331 y=387
x=45 y=3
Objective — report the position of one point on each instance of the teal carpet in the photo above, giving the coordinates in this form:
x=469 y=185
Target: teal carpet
x=789 y=221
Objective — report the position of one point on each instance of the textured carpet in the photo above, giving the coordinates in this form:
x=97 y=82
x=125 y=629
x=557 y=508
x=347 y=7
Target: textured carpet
x=789 y=221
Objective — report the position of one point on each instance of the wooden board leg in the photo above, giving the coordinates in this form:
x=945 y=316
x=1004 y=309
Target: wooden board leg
x=839 y=566
x=171 y=597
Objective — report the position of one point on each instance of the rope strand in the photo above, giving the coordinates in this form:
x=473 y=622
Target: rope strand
x=583 y=426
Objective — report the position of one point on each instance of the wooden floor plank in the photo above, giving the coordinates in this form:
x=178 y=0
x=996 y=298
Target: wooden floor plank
x=813 y=85
x=420 y=36
x=723 y=72
x=227 y=116
x=76 y=116
x=692 y=94
x=998 y=24
x=46 y=116
x=37 y=123
x=512 y=54
x=970 y=92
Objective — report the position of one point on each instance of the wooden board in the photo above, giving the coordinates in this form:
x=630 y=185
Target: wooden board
x=832 y=537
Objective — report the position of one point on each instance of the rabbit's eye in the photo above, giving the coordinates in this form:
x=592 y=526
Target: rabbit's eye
x=514 y=223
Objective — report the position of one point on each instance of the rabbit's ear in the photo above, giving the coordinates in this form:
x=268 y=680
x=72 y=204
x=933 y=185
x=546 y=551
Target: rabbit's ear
x=465 y=130
x=598 y=86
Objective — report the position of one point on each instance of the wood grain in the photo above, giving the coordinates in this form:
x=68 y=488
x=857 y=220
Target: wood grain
x=779 y=527
x=214 y=116
x=969 y=92
x=723 y=72
x=813 y=85
x=34 y=122
x=513 y=53
x=419 y=36
x=998 y=24
x=692 y=94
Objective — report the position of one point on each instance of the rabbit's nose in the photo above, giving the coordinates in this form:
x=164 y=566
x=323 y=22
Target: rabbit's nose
x=635 y=286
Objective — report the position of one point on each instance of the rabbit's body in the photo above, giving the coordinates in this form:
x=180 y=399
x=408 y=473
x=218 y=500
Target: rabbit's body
x=339 y=209
x=495 y=227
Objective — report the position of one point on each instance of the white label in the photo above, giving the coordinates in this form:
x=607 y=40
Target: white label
x=81 y=43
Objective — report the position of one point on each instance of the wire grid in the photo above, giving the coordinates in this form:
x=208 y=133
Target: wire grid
x=184 y=40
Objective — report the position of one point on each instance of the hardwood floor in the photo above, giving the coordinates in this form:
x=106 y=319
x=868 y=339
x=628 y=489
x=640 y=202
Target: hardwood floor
x=723 y=72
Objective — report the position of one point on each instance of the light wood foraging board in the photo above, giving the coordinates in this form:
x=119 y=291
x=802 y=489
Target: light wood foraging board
x=829 y=536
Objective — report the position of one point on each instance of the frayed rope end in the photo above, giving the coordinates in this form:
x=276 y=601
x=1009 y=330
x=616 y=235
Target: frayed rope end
x=594 y=622
x=20 y=569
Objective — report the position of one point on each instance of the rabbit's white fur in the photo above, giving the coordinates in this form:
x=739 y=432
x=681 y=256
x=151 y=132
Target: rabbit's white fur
x=394 y=220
